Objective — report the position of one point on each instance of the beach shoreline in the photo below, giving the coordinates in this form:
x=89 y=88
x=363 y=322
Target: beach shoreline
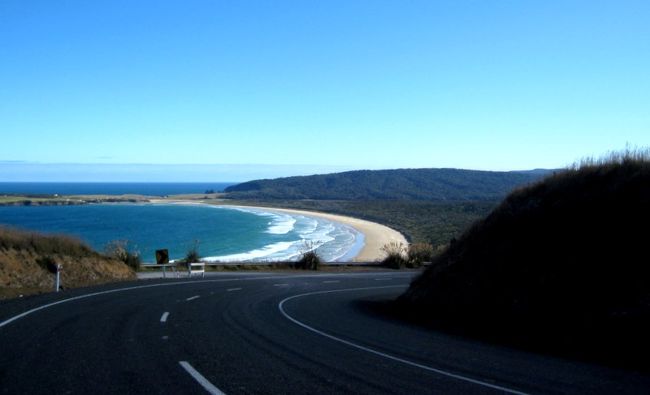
x=375 y=235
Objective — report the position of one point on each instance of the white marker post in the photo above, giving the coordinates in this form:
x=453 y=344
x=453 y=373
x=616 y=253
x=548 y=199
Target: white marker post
x=59 y=267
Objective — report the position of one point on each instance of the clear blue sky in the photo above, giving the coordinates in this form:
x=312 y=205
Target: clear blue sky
x=497 y=85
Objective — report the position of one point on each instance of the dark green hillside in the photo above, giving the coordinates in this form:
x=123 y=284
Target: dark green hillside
x=564 y=263
x=402 y=184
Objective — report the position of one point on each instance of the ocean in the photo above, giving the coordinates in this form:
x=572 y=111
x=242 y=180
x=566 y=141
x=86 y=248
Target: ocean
x=223 y=233
x=111 y=188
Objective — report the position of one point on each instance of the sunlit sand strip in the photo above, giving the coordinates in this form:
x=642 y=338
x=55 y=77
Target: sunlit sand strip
x=376 y=235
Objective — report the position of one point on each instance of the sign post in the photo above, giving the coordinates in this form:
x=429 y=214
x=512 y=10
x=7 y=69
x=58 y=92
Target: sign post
x=162 y=258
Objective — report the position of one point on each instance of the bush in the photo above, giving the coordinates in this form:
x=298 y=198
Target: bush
x=119 y=249
x=192 y=254
x=418 y=253
x=395 y=255
x=309 y=260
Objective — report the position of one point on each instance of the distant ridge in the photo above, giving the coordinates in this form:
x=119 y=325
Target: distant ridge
x=400 y=184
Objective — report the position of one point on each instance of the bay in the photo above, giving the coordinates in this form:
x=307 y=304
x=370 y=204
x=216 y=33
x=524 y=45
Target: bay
x=222 y=233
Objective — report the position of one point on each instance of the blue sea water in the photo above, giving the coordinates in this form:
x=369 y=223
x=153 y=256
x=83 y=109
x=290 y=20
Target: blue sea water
x=110 y=188
x=223 y=233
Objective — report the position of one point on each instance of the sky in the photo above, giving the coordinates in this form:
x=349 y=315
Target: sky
x=259 y=89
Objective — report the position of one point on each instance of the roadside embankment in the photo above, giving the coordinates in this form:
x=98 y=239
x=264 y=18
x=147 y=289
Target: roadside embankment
x=25 y=257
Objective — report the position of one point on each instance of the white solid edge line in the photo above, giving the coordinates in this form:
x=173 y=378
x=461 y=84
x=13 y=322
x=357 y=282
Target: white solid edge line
x=192 y=298
x=379 y=353
x=163 y=318
x=200 y=379
x=218 y=280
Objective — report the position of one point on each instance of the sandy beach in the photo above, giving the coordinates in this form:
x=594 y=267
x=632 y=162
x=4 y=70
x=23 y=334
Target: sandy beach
x=376 y=235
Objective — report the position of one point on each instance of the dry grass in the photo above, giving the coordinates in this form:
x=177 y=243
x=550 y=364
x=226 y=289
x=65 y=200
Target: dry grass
x=22 y=268
x=42 y=244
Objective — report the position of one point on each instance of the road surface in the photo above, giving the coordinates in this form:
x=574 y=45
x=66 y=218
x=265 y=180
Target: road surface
x=262 y=333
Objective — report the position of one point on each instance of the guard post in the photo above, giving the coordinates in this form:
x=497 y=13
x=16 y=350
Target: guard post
x=55 y=268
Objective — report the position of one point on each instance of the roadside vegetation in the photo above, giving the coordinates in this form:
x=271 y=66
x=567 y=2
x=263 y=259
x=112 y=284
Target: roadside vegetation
x=192 y=255
x=412 y=256
x=309 y=259
x=124 y=252
x=25 y=259
x=559 y=265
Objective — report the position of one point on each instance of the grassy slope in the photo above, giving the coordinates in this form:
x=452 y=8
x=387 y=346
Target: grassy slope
x=563 y=263
x=23 y=269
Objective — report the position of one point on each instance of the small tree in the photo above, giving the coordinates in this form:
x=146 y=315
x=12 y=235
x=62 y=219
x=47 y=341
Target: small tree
x=120 y=250
x=395 y=255
x=309 y=259
x=192 y=254
x=418 y=253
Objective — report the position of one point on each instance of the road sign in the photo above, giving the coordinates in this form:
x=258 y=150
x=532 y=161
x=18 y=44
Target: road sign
x=162 y=257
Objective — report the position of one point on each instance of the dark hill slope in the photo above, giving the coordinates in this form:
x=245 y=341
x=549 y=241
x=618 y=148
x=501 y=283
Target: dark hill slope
x=564 y=262
x=401 y=184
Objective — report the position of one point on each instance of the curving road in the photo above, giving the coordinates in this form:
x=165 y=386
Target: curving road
x=264 y=333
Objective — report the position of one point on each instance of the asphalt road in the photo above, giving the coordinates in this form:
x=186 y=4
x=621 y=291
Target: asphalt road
x=262 y=334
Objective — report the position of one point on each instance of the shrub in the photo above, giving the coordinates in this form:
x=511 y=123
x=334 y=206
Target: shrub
x=418 y=253
x=309 y=260
x=120 y=250
x=395 y=255
x=192 y=254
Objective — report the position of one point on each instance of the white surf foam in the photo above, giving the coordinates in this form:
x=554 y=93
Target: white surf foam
x=259 y=254
x=281 y=225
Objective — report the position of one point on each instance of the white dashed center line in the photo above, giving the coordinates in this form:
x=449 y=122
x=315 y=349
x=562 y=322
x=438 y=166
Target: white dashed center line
x=280 y=285
x=192 y=298
x=233 y=289
x=331 y=281
x=163 y=318
x=208 y=386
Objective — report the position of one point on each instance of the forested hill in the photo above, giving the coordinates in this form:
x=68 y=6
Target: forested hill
x=401 y=184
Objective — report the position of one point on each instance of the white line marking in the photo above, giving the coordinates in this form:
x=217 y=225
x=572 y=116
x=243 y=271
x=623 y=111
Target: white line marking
x=379 y=353
x=170 y=284
x=383 y=279
x=163 y=318
x=192 y=298
x=280 y=285
x=233 y=289
x=200 y=379
x=331 y=281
